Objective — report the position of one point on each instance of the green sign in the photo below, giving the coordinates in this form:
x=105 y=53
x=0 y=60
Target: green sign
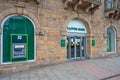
x=93 y=42
x=76 y=29
x=62 y=43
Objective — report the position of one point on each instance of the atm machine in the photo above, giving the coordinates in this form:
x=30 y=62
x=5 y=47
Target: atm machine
x=19 y=47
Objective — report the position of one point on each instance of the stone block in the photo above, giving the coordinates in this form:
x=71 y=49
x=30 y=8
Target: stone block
x=63 y=32
x=40 y=32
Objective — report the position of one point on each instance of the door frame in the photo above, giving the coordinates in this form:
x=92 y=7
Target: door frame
x=85 y=53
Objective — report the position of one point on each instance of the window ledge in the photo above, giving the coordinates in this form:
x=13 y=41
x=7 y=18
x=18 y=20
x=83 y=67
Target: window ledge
x=111 y=52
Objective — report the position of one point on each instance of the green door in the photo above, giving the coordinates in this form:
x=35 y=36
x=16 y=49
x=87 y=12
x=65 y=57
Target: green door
x=17 y=25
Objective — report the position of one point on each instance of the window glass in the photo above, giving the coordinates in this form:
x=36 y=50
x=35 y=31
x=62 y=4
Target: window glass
x=109 y=4
x=111 y=37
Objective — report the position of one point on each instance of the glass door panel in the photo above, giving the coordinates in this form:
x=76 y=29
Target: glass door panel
x=68 y=47
x=78 y=50
x=72 y=47
x=83 y=47
x=76 y=47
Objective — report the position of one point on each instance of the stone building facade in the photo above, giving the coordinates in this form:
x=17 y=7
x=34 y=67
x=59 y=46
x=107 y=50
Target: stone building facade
x=53 y=40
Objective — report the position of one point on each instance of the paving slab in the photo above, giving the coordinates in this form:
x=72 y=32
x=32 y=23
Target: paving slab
x=92 y=69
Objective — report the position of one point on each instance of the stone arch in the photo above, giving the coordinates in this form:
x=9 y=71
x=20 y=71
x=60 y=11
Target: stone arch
x=113 y=26
x=111 y=39
x=82 y=19
x=26 y=13
x=76 y=26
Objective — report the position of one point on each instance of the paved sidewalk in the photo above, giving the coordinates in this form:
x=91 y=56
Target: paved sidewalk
x=96 y=69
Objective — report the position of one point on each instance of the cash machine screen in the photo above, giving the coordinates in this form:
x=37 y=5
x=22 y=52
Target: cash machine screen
x=19 y=50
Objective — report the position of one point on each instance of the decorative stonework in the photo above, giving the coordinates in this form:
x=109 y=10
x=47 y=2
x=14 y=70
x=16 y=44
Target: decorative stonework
x=87 y=6
x=40 y=32
x=19 y=8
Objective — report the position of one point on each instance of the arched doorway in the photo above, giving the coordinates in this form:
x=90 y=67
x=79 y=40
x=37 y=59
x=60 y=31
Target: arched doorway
x=76 y=40
x=18 y=40
x=111 y=40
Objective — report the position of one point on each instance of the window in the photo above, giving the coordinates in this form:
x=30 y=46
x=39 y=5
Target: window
x=111 y=40
x=118 y=3
x=109 y=4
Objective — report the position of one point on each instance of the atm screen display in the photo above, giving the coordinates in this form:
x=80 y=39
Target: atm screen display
x=19 y=50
